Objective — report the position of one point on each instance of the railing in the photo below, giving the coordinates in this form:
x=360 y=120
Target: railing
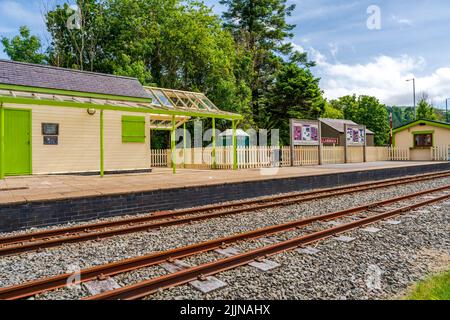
x=159 y=158
x=440 y=153
x=266 y=157
x=398 y=154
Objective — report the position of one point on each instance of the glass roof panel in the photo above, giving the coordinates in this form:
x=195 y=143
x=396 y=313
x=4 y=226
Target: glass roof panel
x=162 y=97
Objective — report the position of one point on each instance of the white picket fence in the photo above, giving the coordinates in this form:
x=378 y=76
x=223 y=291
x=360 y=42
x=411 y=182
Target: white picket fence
x=266 y=157
x=440 y=153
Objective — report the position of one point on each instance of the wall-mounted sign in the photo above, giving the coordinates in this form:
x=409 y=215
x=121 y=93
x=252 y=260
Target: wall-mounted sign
x=356 y=135
x=50 y=129
x=50 y=140
x=327 y=140
x=304 y=132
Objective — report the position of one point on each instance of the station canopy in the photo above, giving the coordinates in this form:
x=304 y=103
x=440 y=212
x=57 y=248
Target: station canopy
x=164 y=105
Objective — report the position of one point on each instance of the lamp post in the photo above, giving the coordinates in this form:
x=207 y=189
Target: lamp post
x=414 y=94
x=446 y=109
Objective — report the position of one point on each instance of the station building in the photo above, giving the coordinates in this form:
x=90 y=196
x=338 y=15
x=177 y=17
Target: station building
x=55 y=120
x=422 y=138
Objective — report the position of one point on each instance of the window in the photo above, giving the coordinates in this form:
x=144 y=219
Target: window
x=423 y=140
x=133 y=129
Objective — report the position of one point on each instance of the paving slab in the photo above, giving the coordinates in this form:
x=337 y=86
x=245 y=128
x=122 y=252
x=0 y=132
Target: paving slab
x=174 y=266
x=392 y=222
x=99 y=286
x=308 y=250
x=371 y=230
x=264 y=265
x=345 y=239
x=228 y=252
x=53 y=187
x=208 y=285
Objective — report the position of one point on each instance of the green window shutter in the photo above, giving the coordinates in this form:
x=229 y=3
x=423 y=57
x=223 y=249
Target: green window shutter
x=133 y=129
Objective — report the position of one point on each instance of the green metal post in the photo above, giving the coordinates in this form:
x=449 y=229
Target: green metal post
x=214 y=162
x=2 y=142
x=102 y=145
x=235 y=160
x=184 y=144
x=173 y=146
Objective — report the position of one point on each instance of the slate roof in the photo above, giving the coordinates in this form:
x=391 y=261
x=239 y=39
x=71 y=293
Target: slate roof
x=41 y=76
x=338 y=124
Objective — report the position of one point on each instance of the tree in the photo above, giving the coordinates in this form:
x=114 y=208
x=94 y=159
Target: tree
x=401 y=115
x=77 y=35
x=295 y=94
x=24 y=47
x=168 y=43
x=260 y=30
x=368 y=111
x=332 y=112
x=425 y=111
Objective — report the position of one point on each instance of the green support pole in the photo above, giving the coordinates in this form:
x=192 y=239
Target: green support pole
x=2 y=142
x=235 y=160
x=102 y=146
x=173 y=146
x=184 y=144
x=214 y=162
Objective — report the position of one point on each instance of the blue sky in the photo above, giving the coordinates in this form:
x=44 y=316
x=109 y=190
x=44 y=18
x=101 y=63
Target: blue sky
x=413 y=41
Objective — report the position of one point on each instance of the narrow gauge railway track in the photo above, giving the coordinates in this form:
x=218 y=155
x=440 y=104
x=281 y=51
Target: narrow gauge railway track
x=52 y=283
x=147 y=287
x=52 y=238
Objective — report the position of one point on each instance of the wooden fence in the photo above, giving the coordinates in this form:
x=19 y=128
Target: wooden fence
x=266 y=157
x=440 y=153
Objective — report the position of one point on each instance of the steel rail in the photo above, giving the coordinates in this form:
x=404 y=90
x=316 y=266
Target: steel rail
x=38 y=286
x=145 y=288
x=86 y=228
x=69 y=238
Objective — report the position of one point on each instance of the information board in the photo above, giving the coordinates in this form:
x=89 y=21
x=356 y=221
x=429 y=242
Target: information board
x=356 y=135
x=305 y=132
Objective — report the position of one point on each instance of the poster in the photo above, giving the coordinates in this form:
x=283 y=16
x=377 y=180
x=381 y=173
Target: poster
x=356 y=136
x=305 y=132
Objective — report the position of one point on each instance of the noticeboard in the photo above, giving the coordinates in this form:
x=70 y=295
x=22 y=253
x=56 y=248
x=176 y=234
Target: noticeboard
x=305 y=132
x=356 y=135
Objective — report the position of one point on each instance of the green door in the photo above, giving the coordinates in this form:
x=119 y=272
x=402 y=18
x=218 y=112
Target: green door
x=17 y=142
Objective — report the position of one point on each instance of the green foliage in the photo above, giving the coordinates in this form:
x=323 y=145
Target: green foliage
x=79 y=47
x=24 y=47
x=243 y=62
x=261 y=32
x=367 y=111
x=295 y=94
x=401 y=115
x=436 y=287
x=425 y=111
x=332 y=112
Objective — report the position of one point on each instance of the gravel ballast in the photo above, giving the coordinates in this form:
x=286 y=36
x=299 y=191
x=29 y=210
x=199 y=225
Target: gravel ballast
x=402 y=253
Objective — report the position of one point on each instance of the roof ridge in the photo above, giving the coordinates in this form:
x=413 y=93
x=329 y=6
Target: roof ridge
x=66 y=69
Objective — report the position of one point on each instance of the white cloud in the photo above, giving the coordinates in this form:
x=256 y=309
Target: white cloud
x=384 y=77
x=297 y=47
x=13 y=11
x=403 y=22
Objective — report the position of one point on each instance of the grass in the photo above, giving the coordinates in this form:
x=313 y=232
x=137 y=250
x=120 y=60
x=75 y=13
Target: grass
x=436 y=287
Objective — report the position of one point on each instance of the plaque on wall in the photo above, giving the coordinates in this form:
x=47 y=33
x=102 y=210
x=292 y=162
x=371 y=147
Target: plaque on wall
x=50 y=129
x=50 y=140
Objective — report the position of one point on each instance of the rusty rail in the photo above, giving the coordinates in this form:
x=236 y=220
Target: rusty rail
x=148 y=287
x=52 y=283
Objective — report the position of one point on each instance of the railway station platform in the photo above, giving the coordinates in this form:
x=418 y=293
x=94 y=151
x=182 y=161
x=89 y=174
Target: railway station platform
x=35 y=201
